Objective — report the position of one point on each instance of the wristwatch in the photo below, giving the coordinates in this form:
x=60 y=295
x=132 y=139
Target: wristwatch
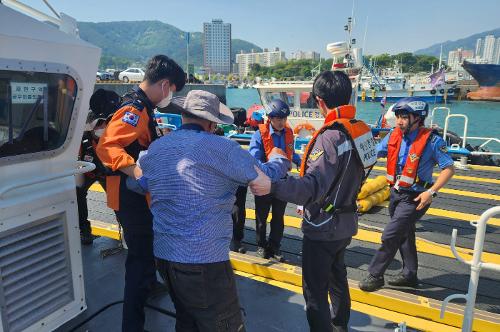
x=432 y=192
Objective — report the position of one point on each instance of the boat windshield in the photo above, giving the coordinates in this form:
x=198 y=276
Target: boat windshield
x=287 y=97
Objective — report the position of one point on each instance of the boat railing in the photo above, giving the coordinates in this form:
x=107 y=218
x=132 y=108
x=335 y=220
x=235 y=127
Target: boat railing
x=441 y=108
x=476 y=266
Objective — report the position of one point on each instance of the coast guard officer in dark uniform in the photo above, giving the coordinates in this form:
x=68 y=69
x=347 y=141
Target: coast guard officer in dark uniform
x=412 y=152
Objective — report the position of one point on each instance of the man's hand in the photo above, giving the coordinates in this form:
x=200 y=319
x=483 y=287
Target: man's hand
x=425 y=199
x=261 y=185
x=300 y=210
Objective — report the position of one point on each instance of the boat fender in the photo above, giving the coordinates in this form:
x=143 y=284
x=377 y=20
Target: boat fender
x=441 y=91
x=451 y=90
x=433 y=92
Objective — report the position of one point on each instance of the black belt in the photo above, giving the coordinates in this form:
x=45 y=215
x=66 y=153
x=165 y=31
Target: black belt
x=426 y=185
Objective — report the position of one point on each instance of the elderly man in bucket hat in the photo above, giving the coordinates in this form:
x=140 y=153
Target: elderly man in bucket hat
x=192 y=176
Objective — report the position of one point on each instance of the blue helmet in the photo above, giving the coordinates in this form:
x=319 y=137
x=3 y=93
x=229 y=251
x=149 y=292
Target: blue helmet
x=413 y=105
x=277 y=108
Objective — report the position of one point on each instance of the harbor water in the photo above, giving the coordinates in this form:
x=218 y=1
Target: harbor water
x=484 y=117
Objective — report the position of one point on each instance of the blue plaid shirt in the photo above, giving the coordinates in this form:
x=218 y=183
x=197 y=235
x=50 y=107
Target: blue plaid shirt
x=192 y=176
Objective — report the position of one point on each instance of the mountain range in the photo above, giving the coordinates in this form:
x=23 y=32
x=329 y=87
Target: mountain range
x=139 y=40
x=468 y=43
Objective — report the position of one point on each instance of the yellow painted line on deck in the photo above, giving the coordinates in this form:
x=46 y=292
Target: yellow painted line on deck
x=423 y=246
x=385 y=301
x=391 y=316
x=469 y=194
x=96 y=187
x=459 y=216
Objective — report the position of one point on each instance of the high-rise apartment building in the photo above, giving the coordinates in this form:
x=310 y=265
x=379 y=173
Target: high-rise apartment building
x=496 y=57
x=489 y=48
x=217 y=47
x=456 y=57
x=479 y=48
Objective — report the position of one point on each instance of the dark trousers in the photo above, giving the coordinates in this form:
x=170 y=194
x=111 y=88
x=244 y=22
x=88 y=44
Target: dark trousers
x=81 y=199
x=239 y=213
x=204 y=296
x=399 y=234
x=324 y=273
x=140 y=273
x=262 y=206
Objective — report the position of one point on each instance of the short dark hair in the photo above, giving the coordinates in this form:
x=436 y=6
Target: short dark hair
x=334 y=87
x=162 y=67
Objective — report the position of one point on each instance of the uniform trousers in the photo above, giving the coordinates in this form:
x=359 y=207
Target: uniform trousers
x=140 y=271
x=262 y=206
x=324 y=273
x=239 y=213
x=399 y=234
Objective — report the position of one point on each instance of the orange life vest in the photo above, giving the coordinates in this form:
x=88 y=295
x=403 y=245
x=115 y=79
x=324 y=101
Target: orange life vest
x=268 y=143
x=342 y=118
x=409 y=173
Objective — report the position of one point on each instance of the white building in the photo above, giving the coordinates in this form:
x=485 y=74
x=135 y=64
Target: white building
x=456 y=57
x=489 y=48
x=217 y=46
x=266 y=59
x=496 y=57
x=479 y=48
x=309 y=55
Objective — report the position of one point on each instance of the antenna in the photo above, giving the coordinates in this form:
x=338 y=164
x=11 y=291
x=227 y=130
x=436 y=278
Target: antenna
x=364 y=37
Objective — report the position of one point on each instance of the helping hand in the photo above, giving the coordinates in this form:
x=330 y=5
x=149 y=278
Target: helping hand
x=425 y=199
x=261 y=185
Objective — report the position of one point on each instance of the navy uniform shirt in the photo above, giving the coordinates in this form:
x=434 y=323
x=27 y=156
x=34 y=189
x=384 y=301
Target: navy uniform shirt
x=435 y=153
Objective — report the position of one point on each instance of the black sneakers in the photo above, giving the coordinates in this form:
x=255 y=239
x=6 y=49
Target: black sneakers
x=401 y=281
x=261 y=252
x=237 y=246
x=371 y=283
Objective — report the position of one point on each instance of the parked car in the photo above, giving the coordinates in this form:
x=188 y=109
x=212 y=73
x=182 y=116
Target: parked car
x=103 y=76
x=131 y=74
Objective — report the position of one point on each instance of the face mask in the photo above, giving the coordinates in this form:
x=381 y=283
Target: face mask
x=165 y=101
x=98 y=132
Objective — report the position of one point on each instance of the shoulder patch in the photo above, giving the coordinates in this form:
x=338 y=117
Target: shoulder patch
x=315 y=154
x=131 y=118
x=443 y=149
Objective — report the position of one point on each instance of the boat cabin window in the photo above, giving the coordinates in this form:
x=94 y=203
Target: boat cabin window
x=287 y=97
x=35 y=111
x=307 y=100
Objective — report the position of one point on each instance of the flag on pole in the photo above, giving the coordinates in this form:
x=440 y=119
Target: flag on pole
x=437 y=78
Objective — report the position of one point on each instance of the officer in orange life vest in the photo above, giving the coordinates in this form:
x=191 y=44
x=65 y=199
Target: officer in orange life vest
x=332 y=171
x=131 y=130
x=274 y=133
x=412 y=152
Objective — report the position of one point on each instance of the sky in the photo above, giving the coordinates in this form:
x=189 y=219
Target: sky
x=392 y=26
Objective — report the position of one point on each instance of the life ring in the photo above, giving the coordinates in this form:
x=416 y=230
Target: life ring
x=433 y=92
x=304 y=129
x=441 y=91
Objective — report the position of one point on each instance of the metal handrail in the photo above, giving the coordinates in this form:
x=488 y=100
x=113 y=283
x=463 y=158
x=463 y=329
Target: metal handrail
x=476 y=265
x=447 y=109
x=466 y=123
x=82 y=167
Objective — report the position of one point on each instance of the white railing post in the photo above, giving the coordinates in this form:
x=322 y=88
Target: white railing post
x=441 y=108
x=476 y=266
x=463 y=160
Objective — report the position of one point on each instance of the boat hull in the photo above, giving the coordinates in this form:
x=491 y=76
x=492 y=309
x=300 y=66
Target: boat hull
x=488 y=78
